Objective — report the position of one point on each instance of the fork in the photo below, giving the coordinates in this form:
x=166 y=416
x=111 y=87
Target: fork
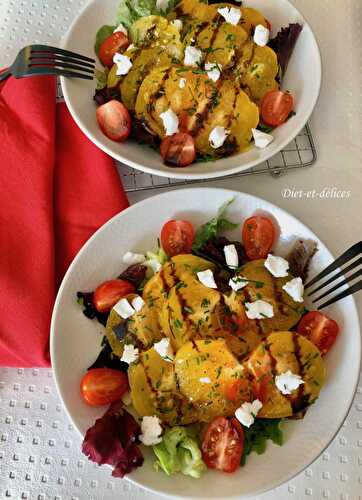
x=46 y=60
x=347 y=256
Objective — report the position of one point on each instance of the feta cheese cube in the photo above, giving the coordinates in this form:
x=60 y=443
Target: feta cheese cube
x=261 y=35
x=237 y=283
x=151 y=431
x=231 y=256
x=231 y=15
x=124 y=64
x=131 y=258
x=213 y=71
x=277 y=266
x=217 y=137
x=288 y=382
x=124 y=308
x=248 y=411
x=207 y=278
x=260 y=309
x=261 y=139
x=130 y=354
x=162 y=5
x=295 y=289
x=164 y=349
x=177 y=23
x=193 y=56
x=138 y=303
x=170 y=121
x=182 y=83
x=154 y=265
x=122 y=29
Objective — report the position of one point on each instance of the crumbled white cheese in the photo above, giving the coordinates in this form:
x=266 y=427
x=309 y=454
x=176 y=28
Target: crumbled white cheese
x=161 y=5
x=217 y=137
x=131 y=258
x=151 y=431
x=130 y=354
x=260 y=309
x=248 y=411
x=138 y=303
x=231 y=15
x=122 y=29
x=261 y=139
x=238 y=282
x=164 y=349
x=154 y=264
x=193 y=56
x=205 y=380
x=231 y=256
x=295 y=289
x=288 y=382
x=126 y=398
x=131 y=46
x=170 y=121
x=213 y=71
x=182 y=83
x=277 y=266
x=124 y=308
x=124 y=64
x=207 y=278
x=177 y=23
x=261 y=35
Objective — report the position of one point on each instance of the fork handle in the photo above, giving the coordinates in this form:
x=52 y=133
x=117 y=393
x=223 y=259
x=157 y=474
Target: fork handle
x=4 y=75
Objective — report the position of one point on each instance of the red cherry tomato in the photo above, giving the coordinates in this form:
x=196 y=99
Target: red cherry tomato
x=258 y=236
x=108 y=294
x=102 y=386
x=236 y=389
x=319 y=329
x=114 y=120
x=112 y=44
x=276 y=106
x=178 y=150
x=177 y=237
x=223 y=443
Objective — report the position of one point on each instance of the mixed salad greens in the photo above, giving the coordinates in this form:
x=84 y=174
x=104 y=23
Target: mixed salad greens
x=195 y=80
x=204 y=397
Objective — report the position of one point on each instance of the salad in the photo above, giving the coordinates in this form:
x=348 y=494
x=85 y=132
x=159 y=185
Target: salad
x=207 y=349
x=195 y=80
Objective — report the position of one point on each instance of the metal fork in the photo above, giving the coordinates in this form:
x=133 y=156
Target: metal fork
x=46 y=60
x=347 y=256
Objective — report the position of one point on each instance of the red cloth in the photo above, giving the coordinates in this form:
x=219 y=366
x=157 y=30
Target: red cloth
x=56 y=189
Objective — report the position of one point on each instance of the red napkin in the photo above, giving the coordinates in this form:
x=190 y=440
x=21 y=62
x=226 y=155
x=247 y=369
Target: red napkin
x=56 y=189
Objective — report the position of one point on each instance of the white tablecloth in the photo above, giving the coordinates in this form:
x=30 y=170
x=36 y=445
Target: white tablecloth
x=40 y=454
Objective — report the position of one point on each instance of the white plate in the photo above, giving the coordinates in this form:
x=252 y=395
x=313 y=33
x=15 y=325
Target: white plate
x=75 y=342
x=303 y=79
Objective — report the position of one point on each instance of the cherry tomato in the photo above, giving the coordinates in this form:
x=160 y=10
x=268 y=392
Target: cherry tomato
x=102 y=386
x=178 y=150
x=237 y=389
x=258 y=236
x=114 y=120
x=108 y=294
x=112 y=44
x=223 y=443
x=276 y=106
x=177 y=237
x=319 y=329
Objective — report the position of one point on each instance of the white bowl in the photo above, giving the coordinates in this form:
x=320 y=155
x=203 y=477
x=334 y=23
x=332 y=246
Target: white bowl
x=75 y=342
x=303 y=79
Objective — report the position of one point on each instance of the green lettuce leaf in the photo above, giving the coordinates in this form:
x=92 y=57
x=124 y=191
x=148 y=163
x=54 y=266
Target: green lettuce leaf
x=256 y=437
x=213 y=228
x=179 y=452
x=130 y=10
x=103 y=33
x=101 y=78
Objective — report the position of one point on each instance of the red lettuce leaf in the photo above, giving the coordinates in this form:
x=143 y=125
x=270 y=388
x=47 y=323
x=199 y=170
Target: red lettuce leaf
x=283 y=44
x=113 y=440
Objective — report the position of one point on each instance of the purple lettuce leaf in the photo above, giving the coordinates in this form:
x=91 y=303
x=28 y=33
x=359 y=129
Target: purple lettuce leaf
x=283 y=44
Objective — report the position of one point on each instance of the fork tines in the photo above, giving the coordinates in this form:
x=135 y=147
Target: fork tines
x=344 y=259
x=60 y=62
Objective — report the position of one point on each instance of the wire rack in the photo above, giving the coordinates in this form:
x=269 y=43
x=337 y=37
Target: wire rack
x=299 y=153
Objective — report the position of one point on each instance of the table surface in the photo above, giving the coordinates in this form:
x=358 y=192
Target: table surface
x=40 y=454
